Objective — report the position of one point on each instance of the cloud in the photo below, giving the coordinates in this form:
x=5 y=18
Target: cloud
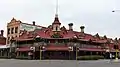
x=96 y=15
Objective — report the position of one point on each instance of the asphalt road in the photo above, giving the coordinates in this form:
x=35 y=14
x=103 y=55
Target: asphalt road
x=56 y=63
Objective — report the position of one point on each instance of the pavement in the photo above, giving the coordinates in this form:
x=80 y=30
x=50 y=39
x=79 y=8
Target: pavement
x=57 y=63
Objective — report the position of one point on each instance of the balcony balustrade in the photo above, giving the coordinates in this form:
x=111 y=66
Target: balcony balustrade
x=61 y=44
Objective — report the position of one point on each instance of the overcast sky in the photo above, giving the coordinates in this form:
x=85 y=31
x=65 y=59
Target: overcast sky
x=95 y=15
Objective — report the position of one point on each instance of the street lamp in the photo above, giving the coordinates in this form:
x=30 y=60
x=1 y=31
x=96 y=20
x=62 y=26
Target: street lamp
x=116 y=46
x=76 y=46
x=70 y=49
x=42 y=48
x=115 y=10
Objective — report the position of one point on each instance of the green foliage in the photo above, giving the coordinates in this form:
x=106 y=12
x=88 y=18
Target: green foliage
x=38 y=39
x=22 y=57
x=91 y=57
x=56 y=36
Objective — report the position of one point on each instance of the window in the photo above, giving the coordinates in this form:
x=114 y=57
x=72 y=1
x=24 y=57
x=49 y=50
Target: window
x=8 y=42
x=16 y=36
x=12 y=30
x=8 y=38
x=116 y=47
x=12 y=37
x=16 y=29
x=8 y=31
x=56 y=28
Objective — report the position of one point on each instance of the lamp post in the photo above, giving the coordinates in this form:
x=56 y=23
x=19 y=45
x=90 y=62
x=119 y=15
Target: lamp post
x=116 y=50
x=116 y=58
x=40 y=52
x=33 y=52
x=42 y=48
x=76 y=46
x=116 y=47
x=70 y=49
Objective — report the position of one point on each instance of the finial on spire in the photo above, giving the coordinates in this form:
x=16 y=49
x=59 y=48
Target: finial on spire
x=56 y=15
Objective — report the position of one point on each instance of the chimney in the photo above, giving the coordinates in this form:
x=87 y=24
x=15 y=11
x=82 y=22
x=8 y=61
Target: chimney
x=116 y=39
x=82 y=29
x=33 y=22
x=70 y=26
x=2 y=31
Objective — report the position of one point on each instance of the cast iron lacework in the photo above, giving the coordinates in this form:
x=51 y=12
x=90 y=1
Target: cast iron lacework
x=56 y=36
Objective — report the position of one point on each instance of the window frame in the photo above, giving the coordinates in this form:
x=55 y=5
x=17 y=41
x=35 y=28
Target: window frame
x=8 y=32
x=16 y=29
x=12 y=30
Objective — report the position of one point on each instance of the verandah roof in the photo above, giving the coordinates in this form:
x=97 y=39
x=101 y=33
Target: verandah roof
x=3 y=46
x=91 y=49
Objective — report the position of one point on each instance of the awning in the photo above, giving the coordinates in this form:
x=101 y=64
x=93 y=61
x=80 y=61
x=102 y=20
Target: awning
x=23 y=49
x=91 y=49
x=57 y=48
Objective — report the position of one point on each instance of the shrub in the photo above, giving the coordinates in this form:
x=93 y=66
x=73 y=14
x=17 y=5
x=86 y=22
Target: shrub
x=90 y=57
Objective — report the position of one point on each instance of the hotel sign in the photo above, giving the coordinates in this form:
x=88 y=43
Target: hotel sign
x=28 y=27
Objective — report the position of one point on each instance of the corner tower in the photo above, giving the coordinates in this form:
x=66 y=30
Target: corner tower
x=56 y=24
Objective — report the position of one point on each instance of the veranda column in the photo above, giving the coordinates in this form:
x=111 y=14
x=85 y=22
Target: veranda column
x=70 y=50
x=76 y=53
x=40 y=53
x=69 y=55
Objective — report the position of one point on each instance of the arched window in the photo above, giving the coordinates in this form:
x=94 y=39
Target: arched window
x=56 y=28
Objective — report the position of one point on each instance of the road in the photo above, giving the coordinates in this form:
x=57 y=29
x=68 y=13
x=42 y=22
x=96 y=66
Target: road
x=56 y=63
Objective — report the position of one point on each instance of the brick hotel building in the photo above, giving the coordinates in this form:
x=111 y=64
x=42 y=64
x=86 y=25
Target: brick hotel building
x=56 y=42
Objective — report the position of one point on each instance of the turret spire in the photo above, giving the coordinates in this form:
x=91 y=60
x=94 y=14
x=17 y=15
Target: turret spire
x=56 y=15
x=56 y=24
x=56 y=20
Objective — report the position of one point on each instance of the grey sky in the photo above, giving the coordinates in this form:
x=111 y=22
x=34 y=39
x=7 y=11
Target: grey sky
x=96 y=15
